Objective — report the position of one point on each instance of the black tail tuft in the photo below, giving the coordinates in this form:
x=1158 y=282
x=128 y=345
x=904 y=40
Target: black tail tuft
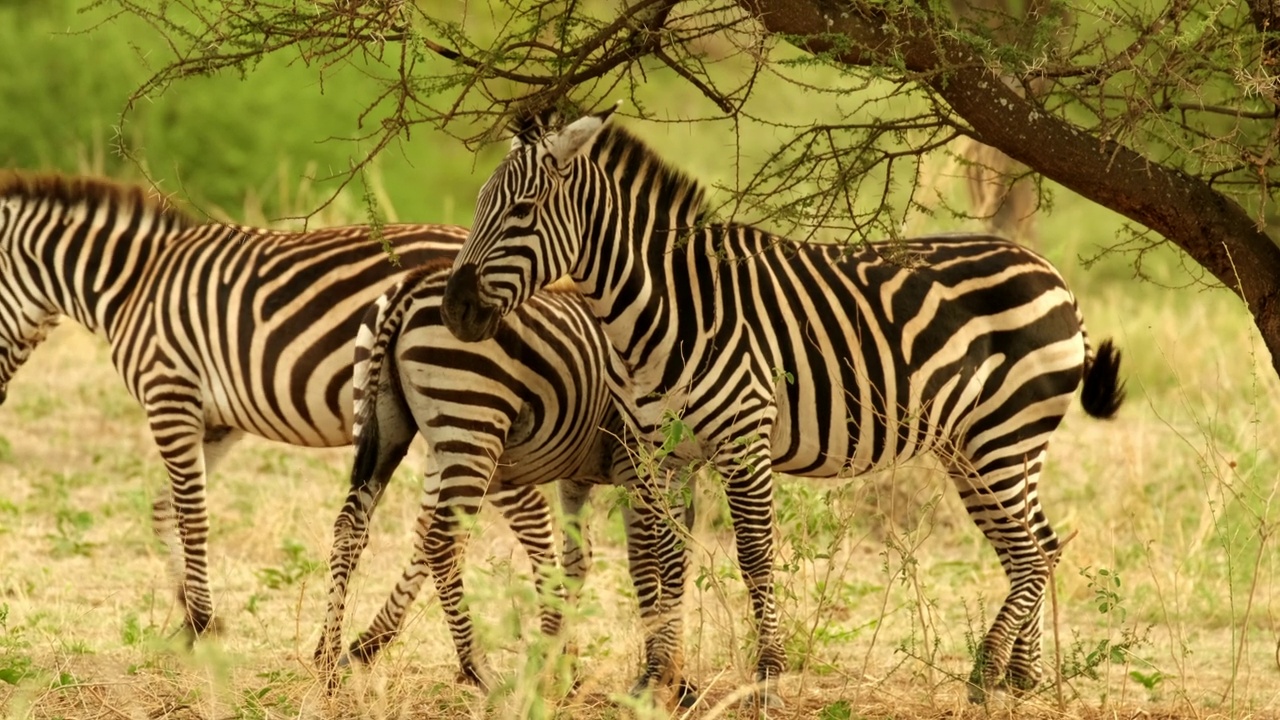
x=366 y=462
x=1103 y=392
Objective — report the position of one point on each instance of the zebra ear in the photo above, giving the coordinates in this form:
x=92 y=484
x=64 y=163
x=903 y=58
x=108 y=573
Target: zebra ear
x=577 y=136
x=529 y=127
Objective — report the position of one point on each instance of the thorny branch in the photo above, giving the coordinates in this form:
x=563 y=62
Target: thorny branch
x=1187 y=90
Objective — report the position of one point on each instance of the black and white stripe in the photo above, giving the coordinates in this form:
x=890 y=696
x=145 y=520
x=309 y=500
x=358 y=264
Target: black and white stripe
x=807 y=359
x=524 y=408
x=217 y=330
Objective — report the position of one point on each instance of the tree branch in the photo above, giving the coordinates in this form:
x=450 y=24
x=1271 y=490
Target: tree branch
x=1211 y=228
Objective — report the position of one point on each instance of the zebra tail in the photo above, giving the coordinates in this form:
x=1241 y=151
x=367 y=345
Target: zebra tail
x=379 y=330
x=1103 y=391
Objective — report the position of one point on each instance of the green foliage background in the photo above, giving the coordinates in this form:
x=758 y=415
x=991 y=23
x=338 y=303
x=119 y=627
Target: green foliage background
x=212 y=140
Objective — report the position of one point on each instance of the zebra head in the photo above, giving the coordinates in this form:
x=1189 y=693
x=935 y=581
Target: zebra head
x=528 y=226
x=24 y=319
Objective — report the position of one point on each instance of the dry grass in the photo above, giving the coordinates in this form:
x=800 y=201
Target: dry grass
x=884 y=581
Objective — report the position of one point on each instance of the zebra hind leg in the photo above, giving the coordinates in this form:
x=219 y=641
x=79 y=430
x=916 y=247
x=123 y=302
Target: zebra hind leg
x=445 y=547
x=1002 y=500
x=386 y=624
x=529 y=515
x=438 y=551
x=576 y=551
x=1025 y=671
x=350 y=537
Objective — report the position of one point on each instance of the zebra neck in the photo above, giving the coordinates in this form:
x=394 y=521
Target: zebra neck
x=95 y=257
x=652 y=298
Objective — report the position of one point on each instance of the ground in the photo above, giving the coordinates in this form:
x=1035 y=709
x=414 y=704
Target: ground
x=1166 y=601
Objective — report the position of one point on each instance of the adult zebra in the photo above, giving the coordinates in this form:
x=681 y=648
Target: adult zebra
x=527 y=407
x=217 y=330
x=808 y=359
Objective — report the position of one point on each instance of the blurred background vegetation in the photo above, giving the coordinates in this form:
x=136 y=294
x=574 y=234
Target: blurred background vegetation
x=270 y=139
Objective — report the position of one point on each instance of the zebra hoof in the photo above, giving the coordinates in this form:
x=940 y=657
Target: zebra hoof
x=332 y=678
x=977 y=693
x=344 y=661
x=686 y=694
x=1022 y=683
x=362 y=651
x=993 y=698
x=472 y=675
x=763 y=700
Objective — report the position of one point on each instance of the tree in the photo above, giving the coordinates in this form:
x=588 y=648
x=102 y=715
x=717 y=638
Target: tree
x=1167 y=115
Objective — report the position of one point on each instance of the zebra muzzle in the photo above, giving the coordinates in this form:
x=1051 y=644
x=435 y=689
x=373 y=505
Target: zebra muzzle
x=466 y=315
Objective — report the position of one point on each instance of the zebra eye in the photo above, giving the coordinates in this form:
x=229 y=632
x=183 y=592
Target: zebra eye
x=520 y=210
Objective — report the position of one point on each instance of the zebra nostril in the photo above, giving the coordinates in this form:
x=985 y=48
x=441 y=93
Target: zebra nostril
x=464 y=314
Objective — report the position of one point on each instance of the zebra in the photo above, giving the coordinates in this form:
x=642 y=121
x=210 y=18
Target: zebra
x=217 y=330
x=527 y=407
x=809 y=359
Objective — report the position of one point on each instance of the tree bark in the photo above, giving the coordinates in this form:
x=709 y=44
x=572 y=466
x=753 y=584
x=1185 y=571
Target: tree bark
x=1210 y=227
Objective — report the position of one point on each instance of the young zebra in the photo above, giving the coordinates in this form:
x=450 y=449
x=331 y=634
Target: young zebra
x=526 y=407
x=814 y=360
x=218 y=330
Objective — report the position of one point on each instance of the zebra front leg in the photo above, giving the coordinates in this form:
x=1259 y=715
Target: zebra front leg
x=178 y=435
x=164 y=520
x=673 y=556
x=658 y=560
x=745 y=464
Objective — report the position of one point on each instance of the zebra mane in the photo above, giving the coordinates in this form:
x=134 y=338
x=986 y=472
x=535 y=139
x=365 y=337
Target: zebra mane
x=563 y=286
x=633 y=156
x=430 y=267
x=77 y=189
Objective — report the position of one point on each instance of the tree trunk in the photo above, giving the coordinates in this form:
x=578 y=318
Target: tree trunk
x=1208 y=226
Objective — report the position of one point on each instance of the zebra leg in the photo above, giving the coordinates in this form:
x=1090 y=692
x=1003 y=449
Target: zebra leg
x=445 y=544
x=674 y=559
x=178 y=431
x=438 y=551
x=1003 y=502
x=1025 y=671
x=164 y=519
x=746 y=467
x=643 y=519
x=576 y=552
x=386 y=624
x=529 y=516
x=658 y=559
x=351 y=536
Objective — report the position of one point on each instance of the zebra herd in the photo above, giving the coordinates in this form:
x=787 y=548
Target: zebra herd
x=813 y=360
